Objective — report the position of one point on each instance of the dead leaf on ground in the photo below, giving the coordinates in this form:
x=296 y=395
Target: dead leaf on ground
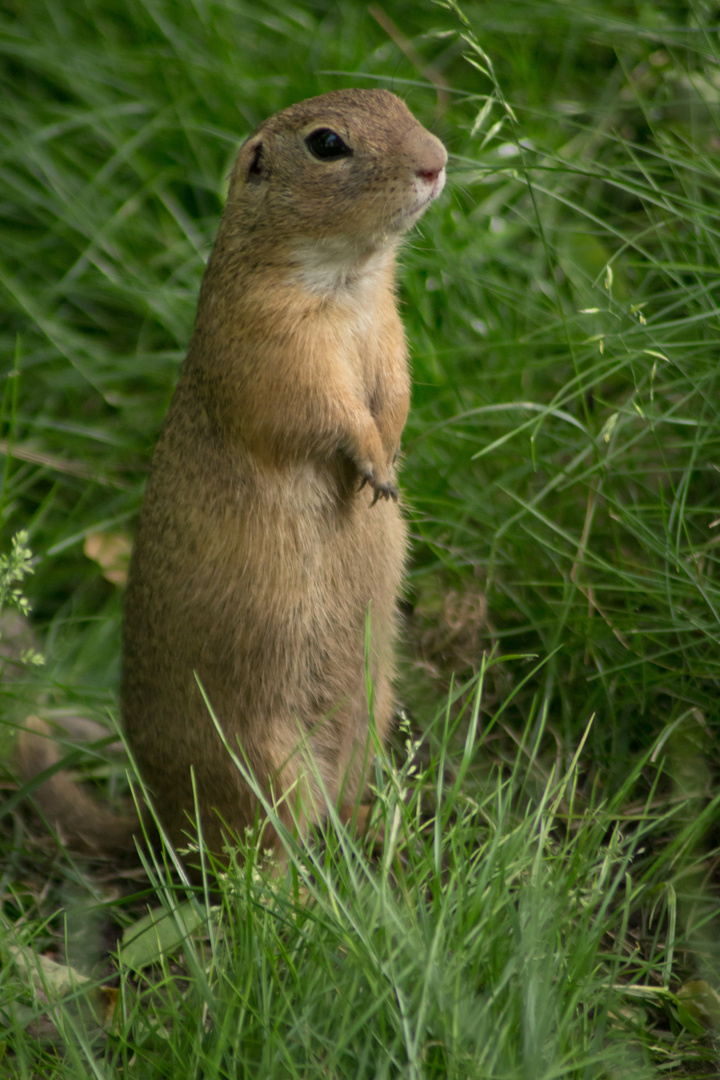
x=699 y=999
x=52 y=981
x=111 y=551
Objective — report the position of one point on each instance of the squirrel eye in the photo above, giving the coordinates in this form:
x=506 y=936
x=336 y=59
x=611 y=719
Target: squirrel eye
x=326 y=144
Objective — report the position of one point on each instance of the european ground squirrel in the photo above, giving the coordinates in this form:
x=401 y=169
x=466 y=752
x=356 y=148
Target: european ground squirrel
x=270 y=526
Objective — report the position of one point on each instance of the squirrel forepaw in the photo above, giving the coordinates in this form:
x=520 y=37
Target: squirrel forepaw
x=383 y=489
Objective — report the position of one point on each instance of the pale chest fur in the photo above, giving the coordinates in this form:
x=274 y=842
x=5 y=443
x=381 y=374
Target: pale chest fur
x=358 y=317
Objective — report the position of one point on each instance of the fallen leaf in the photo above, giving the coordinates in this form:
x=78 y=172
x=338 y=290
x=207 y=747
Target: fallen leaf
x=111 y=551
x=52 y=981
x=699 y=999
x=159 y=933
x=46 y=975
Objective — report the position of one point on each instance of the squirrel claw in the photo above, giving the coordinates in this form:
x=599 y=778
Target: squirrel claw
x=385 y=491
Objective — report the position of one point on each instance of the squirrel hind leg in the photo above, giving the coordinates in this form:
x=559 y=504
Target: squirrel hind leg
x=82 y=822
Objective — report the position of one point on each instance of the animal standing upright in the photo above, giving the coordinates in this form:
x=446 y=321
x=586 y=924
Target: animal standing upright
x=270 y=526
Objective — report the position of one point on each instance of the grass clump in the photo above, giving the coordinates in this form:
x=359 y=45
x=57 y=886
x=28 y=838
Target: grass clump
x=486 y=936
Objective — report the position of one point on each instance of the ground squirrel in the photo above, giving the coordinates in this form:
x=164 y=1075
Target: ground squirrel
x=270 y=526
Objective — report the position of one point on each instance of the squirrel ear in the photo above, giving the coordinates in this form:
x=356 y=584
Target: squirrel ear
x=252 y=161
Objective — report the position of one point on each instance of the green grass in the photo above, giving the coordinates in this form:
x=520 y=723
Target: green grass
x=561 y=473
x=487 y=937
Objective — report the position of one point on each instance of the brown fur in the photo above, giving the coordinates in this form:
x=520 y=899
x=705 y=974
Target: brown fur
x=83 y=823
x=270 y=525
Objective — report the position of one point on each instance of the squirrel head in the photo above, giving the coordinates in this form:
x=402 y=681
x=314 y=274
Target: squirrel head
x=350 y=170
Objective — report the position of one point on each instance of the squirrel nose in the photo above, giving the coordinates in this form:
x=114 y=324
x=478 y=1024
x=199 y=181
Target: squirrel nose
x=430 y=163
x=430 y=175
